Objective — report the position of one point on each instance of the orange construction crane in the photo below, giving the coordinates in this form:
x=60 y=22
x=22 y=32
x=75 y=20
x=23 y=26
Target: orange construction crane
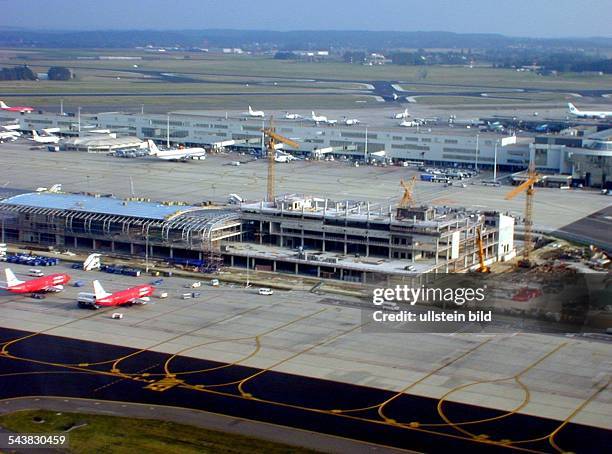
x=273 y=140
x=407 y=198
x=481 y=255
x=528 y=187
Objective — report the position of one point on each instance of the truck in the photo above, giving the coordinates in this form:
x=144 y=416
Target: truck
x=234 y=199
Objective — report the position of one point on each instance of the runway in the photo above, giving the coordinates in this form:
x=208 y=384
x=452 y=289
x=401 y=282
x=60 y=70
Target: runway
x=35 y=364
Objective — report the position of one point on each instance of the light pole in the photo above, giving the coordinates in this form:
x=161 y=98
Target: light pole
x=79 y=121
x=147 y=250
x=168 y=131
x=495 y=161
x=248 y=266
x=477 y=152
x=365 y=150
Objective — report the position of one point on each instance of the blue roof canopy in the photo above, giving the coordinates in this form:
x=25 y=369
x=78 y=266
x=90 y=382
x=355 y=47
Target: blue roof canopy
x=101 y=205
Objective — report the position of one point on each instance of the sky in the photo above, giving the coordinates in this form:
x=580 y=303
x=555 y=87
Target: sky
x=530 y=18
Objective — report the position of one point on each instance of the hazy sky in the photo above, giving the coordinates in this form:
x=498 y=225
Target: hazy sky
x=541 y=18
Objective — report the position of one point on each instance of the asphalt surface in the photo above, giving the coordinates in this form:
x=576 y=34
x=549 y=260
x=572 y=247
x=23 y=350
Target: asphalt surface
x=42 y=365
x=594 y=229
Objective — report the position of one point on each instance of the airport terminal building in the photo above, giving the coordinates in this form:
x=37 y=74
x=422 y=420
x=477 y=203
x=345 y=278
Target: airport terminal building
x=351 y=241
x=448 y=147
x=585 y=155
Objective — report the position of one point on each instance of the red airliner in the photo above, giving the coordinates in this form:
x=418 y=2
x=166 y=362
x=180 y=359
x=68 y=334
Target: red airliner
x=21 y=109
x=51 y=283
x=100 y=298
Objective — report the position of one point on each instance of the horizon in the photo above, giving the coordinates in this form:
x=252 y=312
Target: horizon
x=68 y=30
x=539 y=19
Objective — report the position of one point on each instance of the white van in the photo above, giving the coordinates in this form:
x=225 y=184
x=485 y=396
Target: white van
x=265 y=291
x=35 y=273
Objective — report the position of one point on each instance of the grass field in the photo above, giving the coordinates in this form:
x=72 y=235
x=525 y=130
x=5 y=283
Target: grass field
x=124 y=435
x=232 y=81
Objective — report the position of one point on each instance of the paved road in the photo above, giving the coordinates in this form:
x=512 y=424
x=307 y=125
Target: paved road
x=35 y=365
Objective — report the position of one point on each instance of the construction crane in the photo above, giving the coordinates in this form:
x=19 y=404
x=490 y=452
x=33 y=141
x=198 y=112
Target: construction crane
x=273 y=140
x=408 y=187
x=481 y=255
x=528 y=187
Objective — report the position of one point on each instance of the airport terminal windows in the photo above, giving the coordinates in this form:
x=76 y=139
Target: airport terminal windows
x=459 y=150
x=409 y=146
x=541 y=157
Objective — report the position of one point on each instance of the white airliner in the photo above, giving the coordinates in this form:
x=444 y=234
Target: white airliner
x=47 y=138
x=292 y=116
x=318 y=118
x=322 y=119
x=588 y=113
x=11 y=126
x=7 y=134
x=402 y=115
x=256 y=113
x=175 y=154
x=351 y=121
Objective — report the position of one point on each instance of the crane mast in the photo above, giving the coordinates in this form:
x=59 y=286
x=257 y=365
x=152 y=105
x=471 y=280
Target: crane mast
x=528 y=188
x=407 y=197
x=273 y=140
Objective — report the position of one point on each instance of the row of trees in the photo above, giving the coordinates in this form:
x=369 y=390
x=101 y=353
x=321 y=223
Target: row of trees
x=17 y=73
x=25 y=73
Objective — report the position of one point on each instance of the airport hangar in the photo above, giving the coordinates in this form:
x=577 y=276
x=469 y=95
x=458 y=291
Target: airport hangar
x=350 y=241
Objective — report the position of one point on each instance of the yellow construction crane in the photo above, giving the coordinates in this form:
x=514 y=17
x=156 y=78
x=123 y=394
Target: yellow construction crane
x=273 y=139
x=528 y=187
x=408 y=187
x=481 y=255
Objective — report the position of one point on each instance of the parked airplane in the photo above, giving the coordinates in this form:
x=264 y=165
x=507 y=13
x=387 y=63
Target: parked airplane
x=402 y=115
x=322 y=119
x=351 y=121
x=51 y=283
x=8 y=134
x=20 y=109
x=292 y=116
x=101 y=298
x=588 y=113
x=47 y=138
x=256 y=113
x=11 y=126
x=318 y=118
x=175 y=154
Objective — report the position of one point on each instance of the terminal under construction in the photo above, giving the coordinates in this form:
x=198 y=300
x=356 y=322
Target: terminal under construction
x=347 y=240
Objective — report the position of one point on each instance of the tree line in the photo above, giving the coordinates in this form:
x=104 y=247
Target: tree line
x=23 y=72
